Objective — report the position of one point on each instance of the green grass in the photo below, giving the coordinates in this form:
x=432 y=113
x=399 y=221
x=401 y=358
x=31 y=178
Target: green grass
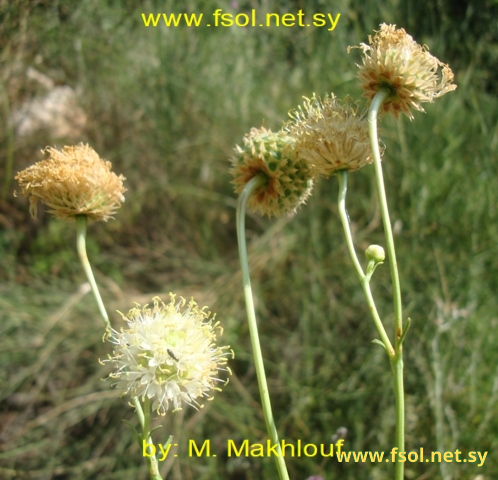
x=166 y=106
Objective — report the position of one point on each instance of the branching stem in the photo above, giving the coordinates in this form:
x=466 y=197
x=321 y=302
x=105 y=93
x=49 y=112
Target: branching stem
x=399 y=334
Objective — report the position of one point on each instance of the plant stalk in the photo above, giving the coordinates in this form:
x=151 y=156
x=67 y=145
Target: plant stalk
x=364 y=280
x=81 y=223
x=397 y=359
x=253 y=326
x=144 y=418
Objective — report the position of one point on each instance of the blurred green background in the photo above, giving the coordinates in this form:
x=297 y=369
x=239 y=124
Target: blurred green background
x=167 y=106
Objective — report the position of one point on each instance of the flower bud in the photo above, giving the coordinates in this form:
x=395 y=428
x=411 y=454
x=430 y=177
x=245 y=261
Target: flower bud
x=375 y=253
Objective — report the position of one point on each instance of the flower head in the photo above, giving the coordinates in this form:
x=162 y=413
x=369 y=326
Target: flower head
x=168 y=354
x=74 y=181
x=288 y=179
x=394 y=61
x=331 y=135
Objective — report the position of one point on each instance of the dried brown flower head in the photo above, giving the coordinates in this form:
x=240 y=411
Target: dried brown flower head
x=74 y=181
x=272 y=155
x=331 y=135
x=394 y=61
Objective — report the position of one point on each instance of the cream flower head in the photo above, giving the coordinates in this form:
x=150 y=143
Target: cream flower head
x=71 y=182
x=331 y=135
x=394 y=61
x=288 y=179
x=168 y=354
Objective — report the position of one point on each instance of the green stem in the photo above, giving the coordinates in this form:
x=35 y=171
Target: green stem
x=397 y=359
x=142 y=414
x=364 y=280
x=372 y=125
x=253 y=326
x=144 y=418
x=81 y=222
x=397 y=368
x=139 y=411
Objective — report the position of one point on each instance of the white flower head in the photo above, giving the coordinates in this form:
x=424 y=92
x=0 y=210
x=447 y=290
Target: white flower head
x=168 y=353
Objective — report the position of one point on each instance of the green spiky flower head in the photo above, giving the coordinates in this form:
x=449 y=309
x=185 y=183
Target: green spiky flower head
x=287 y=179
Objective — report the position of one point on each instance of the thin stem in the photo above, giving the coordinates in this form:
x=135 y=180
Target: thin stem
x=143 y=416
x=397 y=368
x=364 y=280
x=397 y=359
x=139 y=411
x=152 y=459
x=253 y=326
x=343 y=189
x=372 y=125
x=146 y=414
x=81 y=222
